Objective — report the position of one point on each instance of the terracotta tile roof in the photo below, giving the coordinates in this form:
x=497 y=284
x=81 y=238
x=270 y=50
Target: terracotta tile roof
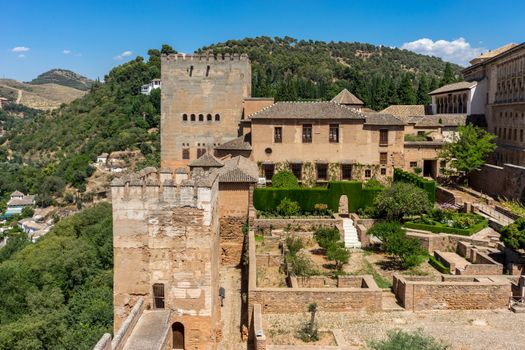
x=27 y=200
x=307 y=110
x=236 y=144
x=492 y=53
x=406 y=111
x=442 y=120
x=345 y=97
x=382 y=119
x=206 y=160
x=17 y=194
x=236 y=175
x=463 y=85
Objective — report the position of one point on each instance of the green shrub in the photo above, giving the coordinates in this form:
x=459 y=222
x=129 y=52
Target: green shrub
x=445 y=221
x=513 y=235
x=301 y=265
x=406 y=250
x=402 y=199
x=284 y=179
x=428 y=185
x=326 y=236
x=438 y=265
x=294 y=244
x=401 y=340
x=338 y=253
x=288 y=207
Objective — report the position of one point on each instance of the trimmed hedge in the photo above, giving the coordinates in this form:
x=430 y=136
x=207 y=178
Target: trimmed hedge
x=267 y=199
x=447 y=229
x=438 y=265
x=428 y=185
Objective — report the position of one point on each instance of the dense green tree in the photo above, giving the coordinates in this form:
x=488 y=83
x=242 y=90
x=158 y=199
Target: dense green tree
x=448 y=75
x=513 y=235
x=469 y=151
x=422 y=91
x=284 y=179
x=402 y=199
x=406 y=92
x=338 y=253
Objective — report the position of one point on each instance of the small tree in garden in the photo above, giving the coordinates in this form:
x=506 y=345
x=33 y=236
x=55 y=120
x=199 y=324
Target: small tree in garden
x=284 y=179
x=287 y=207
x=326 y=236
x=309 y=332
x=513 y=235
x=402 y=199
x=294 y=244
x=469 y=151
x=338 y=253
x=395 y=242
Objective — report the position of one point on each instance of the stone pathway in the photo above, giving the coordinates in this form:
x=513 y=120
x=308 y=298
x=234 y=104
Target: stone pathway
x=230 y=278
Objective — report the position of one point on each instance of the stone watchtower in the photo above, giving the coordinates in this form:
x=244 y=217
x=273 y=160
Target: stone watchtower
x=201 y=104
x=166 y=252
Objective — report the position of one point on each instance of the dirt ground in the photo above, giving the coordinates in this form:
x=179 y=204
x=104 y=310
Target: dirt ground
x=462 y=330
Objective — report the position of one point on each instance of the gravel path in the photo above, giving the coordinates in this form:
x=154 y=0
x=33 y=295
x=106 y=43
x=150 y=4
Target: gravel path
x=463 y=330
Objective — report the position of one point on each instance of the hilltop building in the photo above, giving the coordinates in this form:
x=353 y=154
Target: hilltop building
x=17 y=202
x=147 y=88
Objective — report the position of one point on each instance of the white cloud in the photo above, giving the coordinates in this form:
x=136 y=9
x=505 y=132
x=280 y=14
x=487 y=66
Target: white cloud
x=66 y=52
x=123 y=55
x=20 y=49
x=457 y=51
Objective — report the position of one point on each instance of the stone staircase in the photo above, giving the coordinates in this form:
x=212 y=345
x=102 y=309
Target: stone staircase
x=350 y=234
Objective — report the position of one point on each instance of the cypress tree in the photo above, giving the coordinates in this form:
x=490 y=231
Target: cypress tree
x=406 y=93
x=448 y=75
x=422 y=91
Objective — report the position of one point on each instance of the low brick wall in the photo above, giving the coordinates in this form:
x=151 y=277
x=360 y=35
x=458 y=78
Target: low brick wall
x=269 y=260
x=442 y=241
x=314 y=282
x=264 y=225
x=452 y=293
x=127 y=326
x=232 y=238
x=258 y=336
x=445 y=196
x=481 y=270
x=368 y=297
x=104 y=343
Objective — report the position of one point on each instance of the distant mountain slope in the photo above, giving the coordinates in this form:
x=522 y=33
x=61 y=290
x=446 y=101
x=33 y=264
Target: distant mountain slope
x=290 y=69
x=41 y=96
x=63 y=77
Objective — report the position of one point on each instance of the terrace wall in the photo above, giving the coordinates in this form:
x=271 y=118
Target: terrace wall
x=452 y=293
x=264 y=225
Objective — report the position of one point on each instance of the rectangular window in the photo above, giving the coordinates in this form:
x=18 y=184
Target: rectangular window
x=521 y=135
x=368 y=173
x=297 y=169
x=333 y=136
x=158 y=295
x=269 y=170
x=322 y=171
x=383 y=137
x=383 y=158
x=383 y=171
x=413 y=164
x=346 y=171
x=307 y=133
x=515 y=134
x=185 y=153
x=200 y=152
x=278 y=134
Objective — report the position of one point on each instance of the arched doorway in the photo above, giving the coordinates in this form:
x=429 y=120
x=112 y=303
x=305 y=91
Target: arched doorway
x=178 y=335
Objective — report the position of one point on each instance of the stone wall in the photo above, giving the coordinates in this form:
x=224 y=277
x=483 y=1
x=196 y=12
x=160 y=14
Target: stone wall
x=232 y=239
x=443 y=195
x=258 y=336
x=452 y=292
x=442 y=241
x=269 y=260
x=265 y=225
x=505 y=181
x=168 y=235
x=234 y=199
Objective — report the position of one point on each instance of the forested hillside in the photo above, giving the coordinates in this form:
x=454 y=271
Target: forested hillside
x=290 y=69
x=57 y=293
x=63 y=77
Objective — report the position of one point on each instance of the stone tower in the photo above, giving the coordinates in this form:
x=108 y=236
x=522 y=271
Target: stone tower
x=202 y=104
x=166 y=252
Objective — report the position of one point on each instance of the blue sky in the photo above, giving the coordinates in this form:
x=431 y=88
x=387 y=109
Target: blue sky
x=90 y=37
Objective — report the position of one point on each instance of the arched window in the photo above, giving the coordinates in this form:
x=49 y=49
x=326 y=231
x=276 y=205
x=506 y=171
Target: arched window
x=208 y=117
x=217 y=117
x=193 y=117
x=178 y=335
x=184 y=117
x=201 y=117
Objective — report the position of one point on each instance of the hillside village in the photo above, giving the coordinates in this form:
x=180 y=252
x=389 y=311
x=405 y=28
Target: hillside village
x=293 y=220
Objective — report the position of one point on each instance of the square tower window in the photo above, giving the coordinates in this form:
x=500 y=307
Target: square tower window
x=158 y=295
x=307 y=133
x=297 y=170
x=269 y=170
x=278 y=134
x=368 y=173
x=383 y=137
x=322 y=171
x=185 y=153
x=383 y=158
x=333 y=136
x=346 y=171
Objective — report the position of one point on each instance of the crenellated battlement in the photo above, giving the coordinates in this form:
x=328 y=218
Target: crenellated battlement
x=206 y=57
x=154 y=187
